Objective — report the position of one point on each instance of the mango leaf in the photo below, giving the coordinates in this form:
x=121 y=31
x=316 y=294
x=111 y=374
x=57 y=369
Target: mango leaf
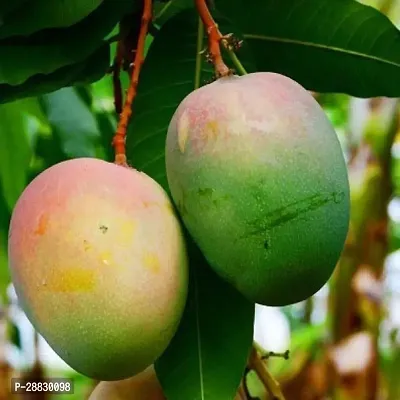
x=15 y=151
x=4 y=223
x=32 y=107
x=72 y=121
x=47 y=51
x=164 y=11
x=103 y=94
x=48 y=151
x=207 y=357
x=107 y=125
x=104 y=110
x=327 y=46
x=90 y=70
x=7 y=7
x=47 y=14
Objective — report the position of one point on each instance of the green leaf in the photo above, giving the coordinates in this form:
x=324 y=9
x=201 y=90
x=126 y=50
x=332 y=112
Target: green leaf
x=103 y=95
x=327 y=46
x=32 y=107
x=47 y=51
x=48 y=152
x=7 y=7
x=15 y=151
x=85 y=93
x=107 y=125
x=207 y=357
x=104 y=109
x=164 y=11
x=47 y=14
x=72 y=121
x=90 y=70
x=4 y=223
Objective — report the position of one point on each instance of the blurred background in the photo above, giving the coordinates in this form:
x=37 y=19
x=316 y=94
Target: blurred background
x=344 y=342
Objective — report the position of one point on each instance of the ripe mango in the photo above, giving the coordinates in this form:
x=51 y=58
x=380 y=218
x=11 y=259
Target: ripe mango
x=258 y=175
x=99 y=264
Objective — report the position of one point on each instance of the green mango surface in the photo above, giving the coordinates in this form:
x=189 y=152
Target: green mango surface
x=258 y=175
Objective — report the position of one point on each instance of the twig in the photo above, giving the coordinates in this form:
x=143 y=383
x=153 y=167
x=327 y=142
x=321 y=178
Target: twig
x=120 y=135
x=265 y=355
x=266 y=378
x=270 y=354
x=214 y=38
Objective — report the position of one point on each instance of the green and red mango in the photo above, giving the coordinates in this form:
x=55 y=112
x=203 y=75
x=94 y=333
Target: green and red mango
x=258 y=175
x=99 y=264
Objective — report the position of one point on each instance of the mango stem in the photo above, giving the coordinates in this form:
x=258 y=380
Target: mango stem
x=214 y=39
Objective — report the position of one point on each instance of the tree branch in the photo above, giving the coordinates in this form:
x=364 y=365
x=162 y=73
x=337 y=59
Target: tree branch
x=272 y=386
x=120 y=135
x=214 y=38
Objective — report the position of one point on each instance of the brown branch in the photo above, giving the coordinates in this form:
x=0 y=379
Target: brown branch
x=272 y=386
x=241 y=394
x=120 y=135
x=214 y=38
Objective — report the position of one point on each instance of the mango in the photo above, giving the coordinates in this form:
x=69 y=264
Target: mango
x=144 y=386
x=99 y=264
x=259 y=178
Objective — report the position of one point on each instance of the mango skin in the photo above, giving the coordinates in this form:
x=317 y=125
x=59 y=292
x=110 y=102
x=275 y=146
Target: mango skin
x=99 y=264
x=258 y=175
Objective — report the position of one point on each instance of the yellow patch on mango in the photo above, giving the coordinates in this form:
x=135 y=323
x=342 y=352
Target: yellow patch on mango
x=169 y=207
x=42 y=225
x=72 y=280
x=106 y=258
x=183 y=131
x=152 y=262
x=211 y=131
x=126 y=231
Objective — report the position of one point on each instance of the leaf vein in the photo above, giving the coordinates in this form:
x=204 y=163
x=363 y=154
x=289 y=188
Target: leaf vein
x=152 y=111
x=153 y=160
x=252 y=36
x=163 y=87
x=147 y=137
